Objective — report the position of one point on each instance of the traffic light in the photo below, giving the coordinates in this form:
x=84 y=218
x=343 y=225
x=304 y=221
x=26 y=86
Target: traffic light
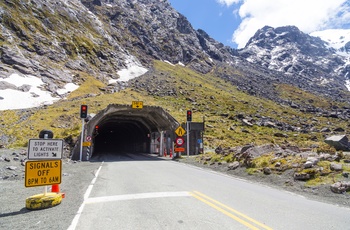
x=189 y=115
x=96 y=129
x=83 y=111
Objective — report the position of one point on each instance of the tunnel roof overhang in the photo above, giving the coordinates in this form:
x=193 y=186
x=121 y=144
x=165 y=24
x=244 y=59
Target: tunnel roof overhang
x=152 y=118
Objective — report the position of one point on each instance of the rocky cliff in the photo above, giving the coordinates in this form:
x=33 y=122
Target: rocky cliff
x=59 y=40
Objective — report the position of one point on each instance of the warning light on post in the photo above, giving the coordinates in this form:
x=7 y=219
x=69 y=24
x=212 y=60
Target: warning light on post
x=189 y=115
x=96 y=129
x=83 y=111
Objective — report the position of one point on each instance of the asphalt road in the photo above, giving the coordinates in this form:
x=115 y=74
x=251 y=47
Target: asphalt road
x=142 y=192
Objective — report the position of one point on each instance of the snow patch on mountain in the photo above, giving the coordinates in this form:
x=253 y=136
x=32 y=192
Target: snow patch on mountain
x=133 y=70
x=26 y=92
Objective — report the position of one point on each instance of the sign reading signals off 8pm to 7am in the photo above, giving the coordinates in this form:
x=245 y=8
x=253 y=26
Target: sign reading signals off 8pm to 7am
x=39 y=149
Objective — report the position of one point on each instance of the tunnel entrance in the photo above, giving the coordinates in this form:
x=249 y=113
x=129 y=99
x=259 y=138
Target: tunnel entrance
x=120 y=128
x=120 y=136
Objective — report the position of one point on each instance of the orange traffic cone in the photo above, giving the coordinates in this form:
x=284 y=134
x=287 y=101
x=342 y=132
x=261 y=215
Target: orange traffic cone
x=55 y=188
x=171 y=153
x=165 y=152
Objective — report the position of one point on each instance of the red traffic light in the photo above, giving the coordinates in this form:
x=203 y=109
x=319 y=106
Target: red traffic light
x=189 y=115
x=83 y=111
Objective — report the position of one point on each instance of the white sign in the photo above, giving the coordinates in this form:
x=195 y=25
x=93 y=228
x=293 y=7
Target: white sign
x=45 y=149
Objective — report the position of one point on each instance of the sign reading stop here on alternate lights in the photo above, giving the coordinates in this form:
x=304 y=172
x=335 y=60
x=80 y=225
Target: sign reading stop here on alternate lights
x=45 y=149
x=38 y=173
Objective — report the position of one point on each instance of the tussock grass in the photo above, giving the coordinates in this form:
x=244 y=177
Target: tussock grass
x=210 y=98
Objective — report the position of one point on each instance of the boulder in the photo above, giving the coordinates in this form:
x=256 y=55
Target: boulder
x=336 y=167
x=339 y=142
x=308 y=164
x=301 y=176
x=267 y=171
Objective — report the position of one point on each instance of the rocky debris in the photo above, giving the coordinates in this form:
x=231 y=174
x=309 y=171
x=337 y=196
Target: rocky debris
x=11 y=167
x=341 y=187
x=301 y=176
x=233 y=165
x=301 y=164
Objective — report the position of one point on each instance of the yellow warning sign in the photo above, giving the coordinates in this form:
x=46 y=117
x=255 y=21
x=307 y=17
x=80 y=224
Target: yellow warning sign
x=137 y=105
x=180 y=131
x=38 y=173
x=86 y=144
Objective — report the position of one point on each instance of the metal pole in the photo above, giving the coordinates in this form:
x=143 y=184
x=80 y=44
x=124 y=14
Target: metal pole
x=46 y=136
x=82 y=139
x=161 y=144
x=188 y=137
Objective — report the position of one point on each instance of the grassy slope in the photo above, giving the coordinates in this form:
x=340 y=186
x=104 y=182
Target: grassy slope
x=212 y=99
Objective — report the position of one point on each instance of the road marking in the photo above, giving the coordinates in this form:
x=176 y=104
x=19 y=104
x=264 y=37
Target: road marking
x=210 y=201
x=74 y=223
x=136 y=196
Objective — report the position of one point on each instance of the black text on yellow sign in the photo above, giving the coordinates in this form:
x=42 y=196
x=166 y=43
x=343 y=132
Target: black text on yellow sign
x=137 y=105
x=39 y=173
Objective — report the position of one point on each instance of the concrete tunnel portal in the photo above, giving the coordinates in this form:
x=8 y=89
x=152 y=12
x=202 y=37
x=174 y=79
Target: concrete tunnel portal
x=123 y=129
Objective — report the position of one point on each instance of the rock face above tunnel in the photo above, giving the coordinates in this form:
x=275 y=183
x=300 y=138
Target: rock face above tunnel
x=123 y=128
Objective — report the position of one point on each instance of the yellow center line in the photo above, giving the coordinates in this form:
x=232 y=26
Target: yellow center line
x=206 y=200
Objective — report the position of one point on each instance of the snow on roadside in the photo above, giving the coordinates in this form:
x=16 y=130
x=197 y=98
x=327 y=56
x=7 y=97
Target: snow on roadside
x=17 y=99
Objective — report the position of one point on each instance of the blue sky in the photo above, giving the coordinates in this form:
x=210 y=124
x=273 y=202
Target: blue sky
x=233 y=22
x=214 y=18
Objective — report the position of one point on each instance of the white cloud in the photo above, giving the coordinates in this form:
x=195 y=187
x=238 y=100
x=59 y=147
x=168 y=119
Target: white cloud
x=307 y=15
x=228 y=2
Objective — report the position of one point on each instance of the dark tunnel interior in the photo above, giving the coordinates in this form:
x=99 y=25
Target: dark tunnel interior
x=121 y=136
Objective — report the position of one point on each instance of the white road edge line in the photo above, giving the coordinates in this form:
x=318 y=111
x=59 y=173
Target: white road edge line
x=136 y=196
x=74 y=223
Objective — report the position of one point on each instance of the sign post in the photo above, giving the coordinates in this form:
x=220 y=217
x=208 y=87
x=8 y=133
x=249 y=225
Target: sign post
x=83 y=115
x=189 y=119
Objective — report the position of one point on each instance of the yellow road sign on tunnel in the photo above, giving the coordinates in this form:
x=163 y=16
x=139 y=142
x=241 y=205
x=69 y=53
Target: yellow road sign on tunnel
x=180 y=131
x=137 y=105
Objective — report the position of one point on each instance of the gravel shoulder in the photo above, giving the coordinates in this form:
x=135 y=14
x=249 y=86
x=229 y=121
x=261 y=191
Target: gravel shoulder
x=283 y=181
x=76 y=177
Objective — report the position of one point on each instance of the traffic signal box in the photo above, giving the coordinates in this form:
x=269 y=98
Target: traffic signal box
x=189 y=115
x=83 y=111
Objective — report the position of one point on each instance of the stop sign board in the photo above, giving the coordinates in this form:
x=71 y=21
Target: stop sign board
x=179 y=141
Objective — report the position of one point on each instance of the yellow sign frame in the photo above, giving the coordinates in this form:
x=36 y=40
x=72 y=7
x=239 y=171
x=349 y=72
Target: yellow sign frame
x=40 y=173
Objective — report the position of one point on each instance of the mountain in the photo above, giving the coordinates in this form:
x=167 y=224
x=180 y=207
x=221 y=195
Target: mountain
x=81 y=50
x=305 y=60
x=338 y=39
